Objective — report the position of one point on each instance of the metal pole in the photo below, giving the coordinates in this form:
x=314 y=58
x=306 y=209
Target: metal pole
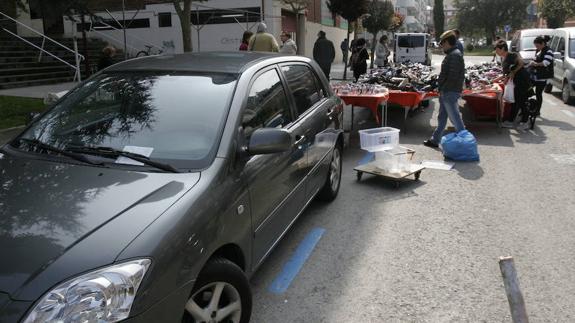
x=78 y=73
x=124 y=28
x=198 y=29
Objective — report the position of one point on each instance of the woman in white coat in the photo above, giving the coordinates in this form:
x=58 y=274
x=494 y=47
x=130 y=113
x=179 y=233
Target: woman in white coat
x=381 y=52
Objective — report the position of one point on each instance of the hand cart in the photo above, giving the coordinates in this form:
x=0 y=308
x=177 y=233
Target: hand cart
x=370 y=166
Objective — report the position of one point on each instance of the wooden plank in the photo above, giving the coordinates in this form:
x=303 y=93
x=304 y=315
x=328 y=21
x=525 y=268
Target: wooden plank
x=513 y=291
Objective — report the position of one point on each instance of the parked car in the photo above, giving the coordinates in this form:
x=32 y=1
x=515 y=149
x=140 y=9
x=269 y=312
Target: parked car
x=522 y=42
x=153 y=191
x=412 y=47
x=563 y=47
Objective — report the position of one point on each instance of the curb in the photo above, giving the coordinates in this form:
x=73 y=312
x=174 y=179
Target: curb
x=11 y=129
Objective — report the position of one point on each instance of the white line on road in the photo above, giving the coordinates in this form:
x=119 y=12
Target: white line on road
x=569 y=113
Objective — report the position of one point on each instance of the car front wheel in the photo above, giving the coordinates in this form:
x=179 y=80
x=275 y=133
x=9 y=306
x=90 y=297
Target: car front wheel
x=333 y=180
x=221 y=294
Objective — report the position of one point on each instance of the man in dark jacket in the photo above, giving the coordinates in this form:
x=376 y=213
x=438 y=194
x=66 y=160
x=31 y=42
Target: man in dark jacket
x=323 y=53
x=450 y=82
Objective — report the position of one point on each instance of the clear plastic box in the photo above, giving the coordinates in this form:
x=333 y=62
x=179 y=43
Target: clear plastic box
x=395 y=160
x=378 y=139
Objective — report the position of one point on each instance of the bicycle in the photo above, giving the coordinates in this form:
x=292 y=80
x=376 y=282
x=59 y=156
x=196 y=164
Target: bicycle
x=149 y=52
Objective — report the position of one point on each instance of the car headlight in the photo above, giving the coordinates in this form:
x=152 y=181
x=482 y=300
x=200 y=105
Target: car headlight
x=105 y=295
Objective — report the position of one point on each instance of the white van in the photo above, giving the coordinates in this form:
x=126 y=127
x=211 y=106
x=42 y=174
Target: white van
x=412 y=47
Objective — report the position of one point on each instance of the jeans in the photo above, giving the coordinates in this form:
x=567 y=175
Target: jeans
x=520 y=94
x=539 y=87
x=448 y=108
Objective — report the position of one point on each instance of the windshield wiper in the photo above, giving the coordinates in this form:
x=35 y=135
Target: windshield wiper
x=45 y=146
x=114 y=153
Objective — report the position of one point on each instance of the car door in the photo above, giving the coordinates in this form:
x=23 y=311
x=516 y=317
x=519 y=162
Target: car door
x=558 y=67
x=316 y=113
x=275 y=181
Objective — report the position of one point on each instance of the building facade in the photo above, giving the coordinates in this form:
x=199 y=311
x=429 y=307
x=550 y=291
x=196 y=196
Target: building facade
x=216 y=24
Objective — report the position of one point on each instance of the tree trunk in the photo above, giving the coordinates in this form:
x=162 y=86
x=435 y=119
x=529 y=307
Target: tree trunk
x=345 y=64
x=373 y=45
x=298 y=34
x=185 y=23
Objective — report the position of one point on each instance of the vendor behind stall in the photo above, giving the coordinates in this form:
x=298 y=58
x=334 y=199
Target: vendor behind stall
x=514 y=69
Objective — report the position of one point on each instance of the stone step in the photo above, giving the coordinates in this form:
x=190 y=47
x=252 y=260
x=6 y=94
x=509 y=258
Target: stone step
x=34 y=69
x=26 y=83
x=35 y=76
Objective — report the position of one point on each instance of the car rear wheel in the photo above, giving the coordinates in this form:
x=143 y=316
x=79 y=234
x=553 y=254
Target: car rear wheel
x=221 y=294
x=333 y=180
x=566 y=93
x=548 y=88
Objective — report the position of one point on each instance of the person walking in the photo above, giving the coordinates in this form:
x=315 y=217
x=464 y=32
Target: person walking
x=262 y=41
x=107 y=57
x=513 y=69
x=543 y=68
x=245 y=40
x=359 y=63
x=288 y=46
x=344 y=49
x=381 y=52
x=451 y=79
x=323 y=53
x=459 y=44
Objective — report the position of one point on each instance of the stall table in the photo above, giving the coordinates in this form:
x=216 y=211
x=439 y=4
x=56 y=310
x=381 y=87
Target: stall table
x=487 y=102
x=370 y=101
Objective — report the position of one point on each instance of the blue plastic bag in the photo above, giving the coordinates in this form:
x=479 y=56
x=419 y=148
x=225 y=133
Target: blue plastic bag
x=460 y=146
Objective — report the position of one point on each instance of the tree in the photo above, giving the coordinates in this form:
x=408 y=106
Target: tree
x=556 y=11
x=397 y=22
x=298 y=7
x=438 y=18
x=487 y=15
x=380 y=19
x=350 y=11
x=184 y=13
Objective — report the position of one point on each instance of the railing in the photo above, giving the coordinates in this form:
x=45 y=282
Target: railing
x=77 y=57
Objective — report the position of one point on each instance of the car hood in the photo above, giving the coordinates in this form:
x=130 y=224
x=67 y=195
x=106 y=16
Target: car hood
x=47 y=207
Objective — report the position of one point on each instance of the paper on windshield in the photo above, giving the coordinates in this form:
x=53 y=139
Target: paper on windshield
x=144 y=151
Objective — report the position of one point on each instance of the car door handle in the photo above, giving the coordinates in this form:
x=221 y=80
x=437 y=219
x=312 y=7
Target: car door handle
x=298 y=140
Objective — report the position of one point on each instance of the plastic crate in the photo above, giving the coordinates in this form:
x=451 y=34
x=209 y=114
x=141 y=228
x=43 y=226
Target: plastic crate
x=378 y=139
x=394 y=160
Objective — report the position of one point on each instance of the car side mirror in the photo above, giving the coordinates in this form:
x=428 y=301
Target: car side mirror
x=269 y=141
x=557 y=55
x=513 y=48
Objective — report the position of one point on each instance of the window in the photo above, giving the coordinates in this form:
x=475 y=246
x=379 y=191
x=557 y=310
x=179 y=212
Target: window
x=165 y=19
x=561 y=46
x=303 y=85
x=267 y=105
x=554 y=42
x=411 y=41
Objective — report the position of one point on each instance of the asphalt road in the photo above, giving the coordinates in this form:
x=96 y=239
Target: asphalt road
x=428 y=251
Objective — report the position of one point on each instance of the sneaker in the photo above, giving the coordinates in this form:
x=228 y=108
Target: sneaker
x=524 y=126
x=430 y=143
x=507 y=124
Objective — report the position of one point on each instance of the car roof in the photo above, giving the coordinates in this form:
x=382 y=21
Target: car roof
x=569 y=30
x=536 y=32
x=218 y=62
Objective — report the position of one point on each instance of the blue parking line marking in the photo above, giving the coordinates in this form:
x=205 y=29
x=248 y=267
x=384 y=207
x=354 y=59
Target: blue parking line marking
x=369 y=156
x=294 y=265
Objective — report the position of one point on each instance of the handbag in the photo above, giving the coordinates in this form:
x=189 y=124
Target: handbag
x=508 y=94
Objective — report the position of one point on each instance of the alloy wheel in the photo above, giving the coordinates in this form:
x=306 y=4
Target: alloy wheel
x=335 y=170
x=214 y=303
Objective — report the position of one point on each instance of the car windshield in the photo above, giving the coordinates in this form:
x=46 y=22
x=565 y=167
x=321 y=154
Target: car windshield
x=527 y=43
x=572 y=48
x=171 y=118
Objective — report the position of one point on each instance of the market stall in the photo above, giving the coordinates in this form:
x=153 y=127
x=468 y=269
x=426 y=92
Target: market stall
x=368 y=96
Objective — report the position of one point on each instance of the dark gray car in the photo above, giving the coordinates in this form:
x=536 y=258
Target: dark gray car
x=155 y=189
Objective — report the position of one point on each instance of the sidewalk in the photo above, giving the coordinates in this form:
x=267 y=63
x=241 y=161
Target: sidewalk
x=38 y=91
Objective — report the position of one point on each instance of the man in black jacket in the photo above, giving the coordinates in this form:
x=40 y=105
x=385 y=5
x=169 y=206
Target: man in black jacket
x=323 y=53
x=450 y=81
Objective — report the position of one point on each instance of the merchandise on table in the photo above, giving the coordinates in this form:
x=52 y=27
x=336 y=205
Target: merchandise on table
x=411 y=77
x=344 y=88
x=481 y=76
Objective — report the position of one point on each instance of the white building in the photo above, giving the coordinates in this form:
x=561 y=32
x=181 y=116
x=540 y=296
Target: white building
x=418 y=14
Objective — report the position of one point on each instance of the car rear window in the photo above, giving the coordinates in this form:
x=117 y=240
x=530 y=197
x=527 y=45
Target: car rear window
x=411 y=41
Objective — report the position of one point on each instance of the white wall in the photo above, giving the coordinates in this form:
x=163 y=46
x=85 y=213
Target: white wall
x=36 y=24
